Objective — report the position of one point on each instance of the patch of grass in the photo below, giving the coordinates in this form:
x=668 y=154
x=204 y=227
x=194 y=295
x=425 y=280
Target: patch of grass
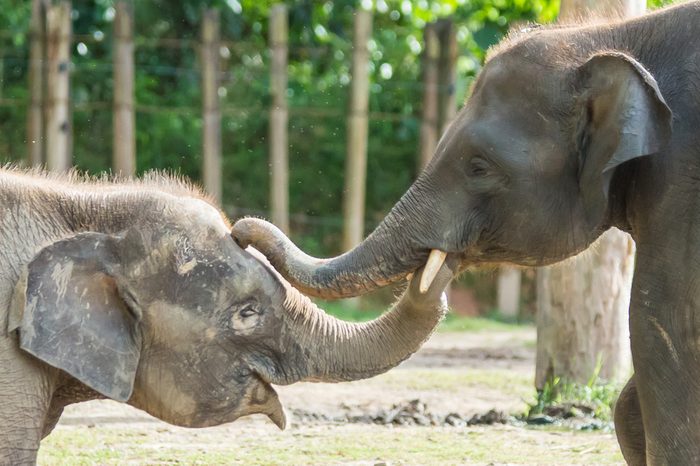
x=517 y=386
x=451 y=323
x=105 y=446
x=455 y=323
x=324 y=445
x=597 y=395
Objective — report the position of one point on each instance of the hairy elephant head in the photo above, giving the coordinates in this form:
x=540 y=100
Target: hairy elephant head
x=174 y=317
x=525 y=174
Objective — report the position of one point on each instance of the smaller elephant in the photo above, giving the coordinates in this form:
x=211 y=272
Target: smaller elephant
x=138 y=293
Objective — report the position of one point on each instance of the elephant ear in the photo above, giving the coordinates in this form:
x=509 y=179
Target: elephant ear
x=73 y=314
x=622 y=116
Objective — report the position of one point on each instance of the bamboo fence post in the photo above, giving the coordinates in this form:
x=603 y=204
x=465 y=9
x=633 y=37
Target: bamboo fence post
x=448 y=73
x=124 y=125
x=35 y=114
x=58 y=78
x=357 y=127
x=508 y=290
x=279 y=117
x=211 y=130
x=431 y=77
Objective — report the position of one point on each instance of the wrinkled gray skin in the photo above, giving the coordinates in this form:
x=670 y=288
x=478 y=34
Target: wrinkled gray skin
x=568 y=131
x=138 y=293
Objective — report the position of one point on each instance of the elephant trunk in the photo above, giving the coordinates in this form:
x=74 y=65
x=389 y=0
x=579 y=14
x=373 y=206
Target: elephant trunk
x=344 y=351
x=397 y=247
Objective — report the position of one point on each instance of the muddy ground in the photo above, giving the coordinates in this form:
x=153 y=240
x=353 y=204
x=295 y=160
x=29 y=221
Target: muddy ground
x=429 y=410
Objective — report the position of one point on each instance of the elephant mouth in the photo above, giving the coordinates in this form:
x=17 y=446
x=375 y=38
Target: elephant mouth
x=265 y=400
x=259 y=398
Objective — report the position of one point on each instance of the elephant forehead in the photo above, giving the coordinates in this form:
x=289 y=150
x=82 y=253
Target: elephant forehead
x=517 y=81
x=201 y=214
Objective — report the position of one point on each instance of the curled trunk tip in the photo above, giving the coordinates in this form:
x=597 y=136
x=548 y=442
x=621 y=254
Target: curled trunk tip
x=369 y=266
x=248 y=230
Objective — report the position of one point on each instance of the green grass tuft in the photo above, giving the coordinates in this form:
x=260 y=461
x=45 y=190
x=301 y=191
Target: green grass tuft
x=595 y=394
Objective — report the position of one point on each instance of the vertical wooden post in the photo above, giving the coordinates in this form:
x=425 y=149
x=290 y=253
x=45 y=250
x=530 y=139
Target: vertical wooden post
x=509 y=282
x=448 y=73
x=35 y=114
x=58 y=157
x=279 y=117
x=357 y=122
x=211 y=130
x=124 y=131
x=429 y=120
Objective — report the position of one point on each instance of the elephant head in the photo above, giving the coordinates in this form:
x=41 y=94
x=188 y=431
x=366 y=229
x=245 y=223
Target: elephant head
x=174 y=317
x=531 y=171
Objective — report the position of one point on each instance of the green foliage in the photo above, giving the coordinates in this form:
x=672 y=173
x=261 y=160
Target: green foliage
x=653 y=4
x=596 y=395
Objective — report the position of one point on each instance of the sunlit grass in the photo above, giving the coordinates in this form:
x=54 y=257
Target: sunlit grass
x=338 y=444
x=452 y=381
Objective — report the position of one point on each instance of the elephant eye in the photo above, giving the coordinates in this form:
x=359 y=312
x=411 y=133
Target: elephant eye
x=478 y=167
x=246 y=318
x=248 y=311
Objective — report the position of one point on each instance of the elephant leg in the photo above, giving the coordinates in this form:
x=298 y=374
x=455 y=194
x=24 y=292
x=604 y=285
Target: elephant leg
x=629 y=427
x=664 y=329
x=25 y=391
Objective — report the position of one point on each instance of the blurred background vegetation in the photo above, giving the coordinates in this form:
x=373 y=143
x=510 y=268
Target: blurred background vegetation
x=169 y=102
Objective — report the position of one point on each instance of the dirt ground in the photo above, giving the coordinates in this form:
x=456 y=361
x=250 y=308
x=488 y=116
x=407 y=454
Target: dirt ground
x=454 y=377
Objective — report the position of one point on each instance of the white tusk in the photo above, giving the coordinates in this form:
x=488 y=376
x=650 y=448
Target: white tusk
x=409 y=277
x=432 y=267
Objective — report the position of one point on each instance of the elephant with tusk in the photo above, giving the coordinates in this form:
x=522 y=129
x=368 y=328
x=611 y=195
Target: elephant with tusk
x=569 y=130
x=137 y=292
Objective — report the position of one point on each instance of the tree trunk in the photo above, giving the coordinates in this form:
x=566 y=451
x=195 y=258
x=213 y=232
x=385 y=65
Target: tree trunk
x=124 y=134
x=583 y=304
x=211 y=113
x=279 y=117
x=582 y=314
x=58 y=130
x=357 y=124
x=448 y=72
x=429 y=121
x=509 y=283
x=37 y=83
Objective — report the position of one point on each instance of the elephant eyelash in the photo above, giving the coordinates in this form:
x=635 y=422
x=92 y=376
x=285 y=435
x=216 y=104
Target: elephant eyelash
x=243 y=309
x=478 y=166
x=248 y=311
